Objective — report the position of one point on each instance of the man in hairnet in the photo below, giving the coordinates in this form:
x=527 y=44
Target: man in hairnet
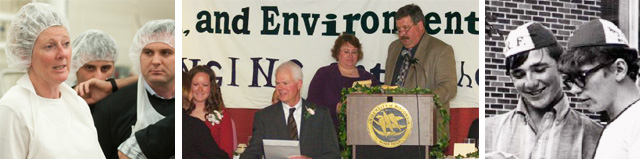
x=92 y=66
x=600 y=69
x=542 y=125
x=123 y=114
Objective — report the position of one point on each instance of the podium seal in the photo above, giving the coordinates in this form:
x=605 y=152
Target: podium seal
x=389 y=124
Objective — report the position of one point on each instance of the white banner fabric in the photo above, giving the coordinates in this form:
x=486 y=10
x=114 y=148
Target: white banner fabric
x=245 y=41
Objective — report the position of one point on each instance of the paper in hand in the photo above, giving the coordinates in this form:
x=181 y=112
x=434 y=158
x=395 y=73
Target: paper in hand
x=280 y=149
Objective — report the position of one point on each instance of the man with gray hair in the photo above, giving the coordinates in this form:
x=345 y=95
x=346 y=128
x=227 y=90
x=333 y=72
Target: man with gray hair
x=293 y=118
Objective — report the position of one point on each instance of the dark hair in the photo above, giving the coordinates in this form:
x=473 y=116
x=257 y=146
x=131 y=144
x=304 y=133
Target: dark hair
x=186 y=88
x=571 y=61
x=410 y=10
x=344 y=39
x=518 y=59
x=214 y=101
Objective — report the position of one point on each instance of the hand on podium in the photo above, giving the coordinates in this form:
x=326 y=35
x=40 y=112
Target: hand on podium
x=339 y=107
x=300 y=157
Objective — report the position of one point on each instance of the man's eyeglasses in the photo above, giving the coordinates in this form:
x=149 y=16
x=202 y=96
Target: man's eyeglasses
x=405 y=29
x=581 y=79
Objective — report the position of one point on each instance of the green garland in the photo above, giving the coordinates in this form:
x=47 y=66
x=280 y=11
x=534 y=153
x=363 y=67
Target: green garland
x=443 y=141
x=474 y=154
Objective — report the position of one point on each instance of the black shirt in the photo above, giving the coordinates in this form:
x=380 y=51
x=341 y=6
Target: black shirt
x=114 y=116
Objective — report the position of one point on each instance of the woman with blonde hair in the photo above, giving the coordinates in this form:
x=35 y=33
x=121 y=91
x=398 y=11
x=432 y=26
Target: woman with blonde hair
x=41 y=117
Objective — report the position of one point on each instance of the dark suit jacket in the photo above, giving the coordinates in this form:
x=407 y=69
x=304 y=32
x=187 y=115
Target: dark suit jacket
x=318 y=138
x=436 y=68
x=197 y=141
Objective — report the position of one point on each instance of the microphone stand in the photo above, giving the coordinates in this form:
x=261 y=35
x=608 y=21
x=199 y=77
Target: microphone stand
x=412 y=63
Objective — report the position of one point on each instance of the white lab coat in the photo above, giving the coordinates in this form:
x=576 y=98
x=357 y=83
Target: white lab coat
x=35 y=127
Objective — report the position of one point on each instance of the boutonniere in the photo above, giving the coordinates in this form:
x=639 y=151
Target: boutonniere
x=311 y=110
x=214 y=117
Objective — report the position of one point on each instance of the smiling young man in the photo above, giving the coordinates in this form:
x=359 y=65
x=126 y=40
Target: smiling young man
x=542 y=125
x=601 y=69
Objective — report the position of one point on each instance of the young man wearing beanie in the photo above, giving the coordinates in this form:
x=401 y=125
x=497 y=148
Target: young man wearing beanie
x=542 y=125
x=600 y=69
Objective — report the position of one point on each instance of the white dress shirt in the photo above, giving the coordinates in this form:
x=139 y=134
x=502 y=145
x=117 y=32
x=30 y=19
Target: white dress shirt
x=297 y=115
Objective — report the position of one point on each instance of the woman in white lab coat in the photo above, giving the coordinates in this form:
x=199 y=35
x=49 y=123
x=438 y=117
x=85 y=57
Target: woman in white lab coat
x=41 y=117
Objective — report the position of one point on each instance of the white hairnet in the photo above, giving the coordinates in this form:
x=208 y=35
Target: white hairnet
x=152 y=32
x=92 y=45
x=29 y=22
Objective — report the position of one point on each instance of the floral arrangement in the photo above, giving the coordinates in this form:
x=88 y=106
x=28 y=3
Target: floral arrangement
x=214 y=117
x=311 y=110
x=437 y=150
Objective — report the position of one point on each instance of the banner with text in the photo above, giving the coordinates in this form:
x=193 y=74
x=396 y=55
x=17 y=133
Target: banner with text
x=244 y=41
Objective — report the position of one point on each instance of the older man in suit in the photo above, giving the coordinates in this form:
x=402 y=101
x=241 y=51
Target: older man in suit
x=294 y=118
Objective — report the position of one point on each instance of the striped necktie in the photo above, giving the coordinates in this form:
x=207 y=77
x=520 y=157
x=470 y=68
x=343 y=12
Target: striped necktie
x=291 y=124
x=404 y=69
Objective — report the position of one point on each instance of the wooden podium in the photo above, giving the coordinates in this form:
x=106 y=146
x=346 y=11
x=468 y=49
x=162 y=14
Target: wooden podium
x=359 y=106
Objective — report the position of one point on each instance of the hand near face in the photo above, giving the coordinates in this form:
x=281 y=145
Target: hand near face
x=93 y=90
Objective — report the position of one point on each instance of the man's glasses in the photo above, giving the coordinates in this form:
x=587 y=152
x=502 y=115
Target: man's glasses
x=581 y=79
x=405 y=29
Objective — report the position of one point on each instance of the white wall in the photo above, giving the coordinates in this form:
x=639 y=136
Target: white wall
x=119 y=18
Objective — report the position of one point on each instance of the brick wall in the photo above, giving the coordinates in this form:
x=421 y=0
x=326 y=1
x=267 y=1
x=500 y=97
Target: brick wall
x=562 y=17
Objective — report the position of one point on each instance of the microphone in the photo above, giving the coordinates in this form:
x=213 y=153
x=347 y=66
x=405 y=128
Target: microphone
x=406 y=54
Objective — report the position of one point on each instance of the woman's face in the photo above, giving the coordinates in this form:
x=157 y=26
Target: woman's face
x=348 y=55
x=200 y=87
x=51 y=56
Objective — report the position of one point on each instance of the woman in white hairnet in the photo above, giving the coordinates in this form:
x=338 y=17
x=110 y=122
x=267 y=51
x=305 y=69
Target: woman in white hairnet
x=41 y=117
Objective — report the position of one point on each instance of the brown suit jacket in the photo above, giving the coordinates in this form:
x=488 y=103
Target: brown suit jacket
x=436 y=68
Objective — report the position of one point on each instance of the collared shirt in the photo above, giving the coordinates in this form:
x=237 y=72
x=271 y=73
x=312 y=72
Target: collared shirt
x=150 y=90
x=297 y=115
x=562 y=133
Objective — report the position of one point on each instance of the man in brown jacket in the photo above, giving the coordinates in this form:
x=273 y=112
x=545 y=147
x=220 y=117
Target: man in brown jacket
x=435 y=69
